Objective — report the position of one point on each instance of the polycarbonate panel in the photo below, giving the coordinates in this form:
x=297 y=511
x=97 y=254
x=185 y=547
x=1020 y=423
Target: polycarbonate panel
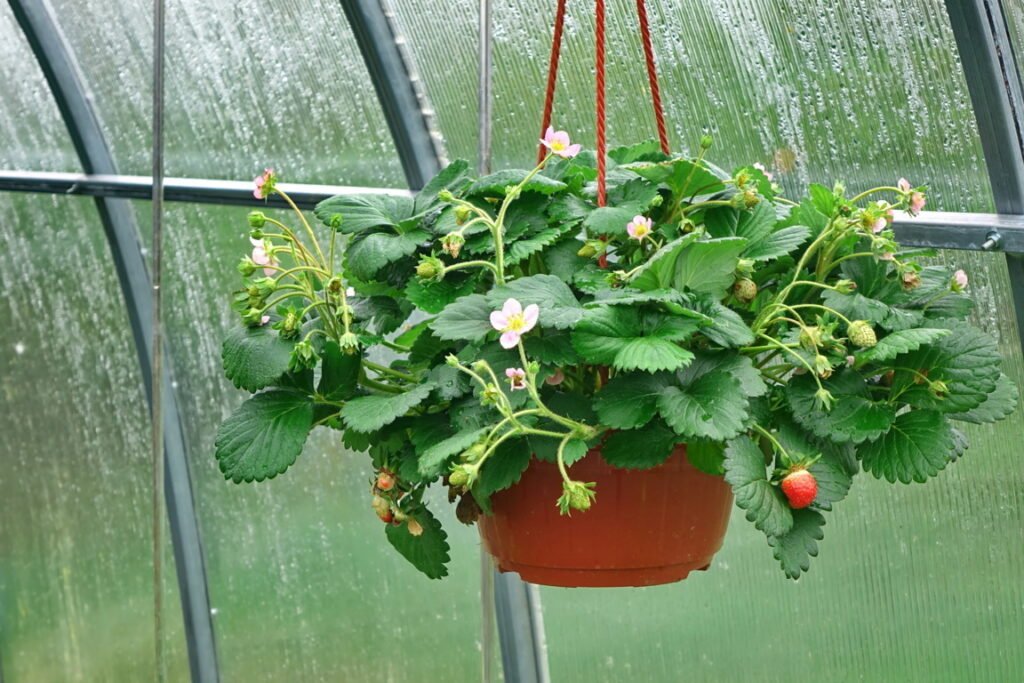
x=303 y=582
x=32 y=135
x=76 y=583
x=916 y=584
x=249 y=84
x=863 y=91
x=1013 y=12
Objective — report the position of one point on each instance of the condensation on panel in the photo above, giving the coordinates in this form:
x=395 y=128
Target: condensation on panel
x=304 y=585
x=1013 y=12
x=31 y=130
x=860 y=91
x=917 y=584
x=75 y=556
x=249 y=84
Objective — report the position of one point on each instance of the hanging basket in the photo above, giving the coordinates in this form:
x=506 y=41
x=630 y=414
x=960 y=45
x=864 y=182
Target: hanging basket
x=647 y=527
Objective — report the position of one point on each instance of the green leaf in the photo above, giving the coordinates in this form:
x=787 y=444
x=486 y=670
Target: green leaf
x=467 y=319
x=609 y=220
x=649 y=150
x=432 y=296
x=562 y=259
x=496 y=183
x=264 y=435
x=428 y=552
x=558 y=305
x=641 y=448
x=746 y=473
x=854 y=417
x=795 y=549
x=630 y=400
x=503 y=468
x=339 y=373
x=895 y=343
x=727 y=327
x=370 y=413
x=967 y=360
x=659 y=270
x=255 y=357
x=998 y=405
x=778 y=243
x=365 y=256
x=433 y=459
x=683 y=177
x=452 y=177
x=707 y=267
x=554 y=348
x=361 y=212
x=630 y=339
x=523 y=249
x=709 y=402
x=574 y=451
x=917 y=446
x=706 y=456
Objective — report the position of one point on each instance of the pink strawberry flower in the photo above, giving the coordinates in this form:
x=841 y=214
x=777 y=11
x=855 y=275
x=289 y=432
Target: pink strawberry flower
x=767 y=174
x=903 y=184
x=959 y=282
x=879 y=225
x=264 y=184
x=916 y=203
x=264 y=320
x=262 y=256
x=888 y=256
x=558 y=143
x=639 y=228
x=516 y=377
x=513 y=321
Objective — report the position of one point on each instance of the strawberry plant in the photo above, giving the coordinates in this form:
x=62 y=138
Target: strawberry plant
x=456 y=334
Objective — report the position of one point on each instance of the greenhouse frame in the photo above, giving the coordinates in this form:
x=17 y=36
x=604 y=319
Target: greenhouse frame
x=425 y=108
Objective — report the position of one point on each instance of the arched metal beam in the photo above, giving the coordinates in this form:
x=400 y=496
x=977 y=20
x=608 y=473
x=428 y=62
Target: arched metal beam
x=67 y=84
x=399 y=89
x=994 y=81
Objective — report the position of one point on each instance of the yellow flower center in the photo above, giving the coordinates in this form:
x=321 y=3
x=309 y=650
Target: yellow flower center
x=557 y=146
x=516 y=323
x=641 y=230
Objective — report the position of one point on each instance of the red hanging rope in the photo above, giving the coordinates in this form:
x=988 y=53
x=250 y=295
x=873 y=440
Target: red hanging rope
x=602 y=190
x=549 y=96
x=652 y=74
x=652 y=77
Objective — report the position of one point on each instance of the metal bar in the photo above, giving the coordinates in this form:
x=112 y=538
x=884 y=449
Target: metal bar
x=47 y=41
x=398 y=89
x=994 y=82
x=939 y=229
x=157 y=357
x=201 y=191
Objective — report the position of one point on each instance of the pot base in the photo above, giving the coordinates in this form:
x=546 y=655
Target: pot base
x=565 y=577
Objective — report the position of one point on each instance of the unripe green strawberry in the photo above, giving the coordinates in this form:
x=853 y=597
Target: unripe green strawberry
x=458 y=477
x=580 y=500
x=810 y=338
x=861 y=334
x=800 y=487
x=745 y=289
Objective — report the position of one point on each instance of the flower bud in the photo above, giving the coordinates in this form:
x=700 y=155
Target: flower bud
x=246 y=266
x=846 y=286
x=824 y=399
x=445 y=195
x=938 y=389
x=473 y=453
x=958 y=282
x=490 y=395
x=253 y=317
x=706 y=140
x=462 y=214
x=822 y=367
x=657 y=201
x=452 y=360
x=303 y=357
x=257 y=219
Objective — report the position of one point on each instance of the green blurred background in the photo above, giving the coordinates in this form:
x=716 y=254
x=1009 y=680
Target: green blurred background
x=917 y=583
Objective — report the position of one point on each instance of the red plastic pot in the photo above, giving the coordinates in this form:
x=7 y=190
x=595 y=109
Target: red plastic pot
x=646 y=527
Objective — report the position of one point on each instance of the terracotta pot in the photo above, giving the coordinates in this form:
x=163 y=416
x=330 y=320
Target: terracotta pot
x=646 y=527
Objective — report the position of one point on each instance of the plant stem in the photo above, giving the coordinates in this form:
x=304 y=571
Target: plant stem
x=381 y=369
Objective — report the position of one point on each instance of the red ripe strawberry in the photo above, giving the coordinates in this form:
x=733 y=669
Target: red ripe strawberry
x=800 y=488
x=385 y=480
